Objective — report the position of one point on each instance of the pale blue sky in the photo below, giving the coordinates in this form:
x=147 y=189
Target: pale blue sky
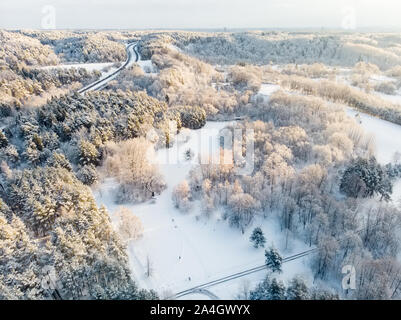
x=133 y=14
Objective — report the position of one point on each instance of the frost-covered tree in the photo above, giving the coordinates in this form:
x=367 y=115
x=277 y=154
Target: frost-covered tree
x=138 y=179
x=59 y=160
x=181 y=196
x=3 y=140
x=257 y=238
x=366 y=178
x=189 y=154
x=242 y=209
x=129 y=226
x=268 y=289
x=297 y=290
x=192 y=117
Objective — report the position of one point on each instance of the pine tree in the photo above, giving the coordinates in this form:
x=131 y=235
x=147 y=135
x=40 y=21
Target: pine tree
x=31 y=154
x=87 y=175
x=257 y=238
x=3 y=140
x=297 y=290
x=273 y=260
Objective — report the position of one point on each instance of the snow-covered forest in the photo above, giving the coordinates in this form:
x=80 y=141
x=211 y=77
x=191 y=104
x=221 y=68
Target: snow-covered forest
x=109 y=189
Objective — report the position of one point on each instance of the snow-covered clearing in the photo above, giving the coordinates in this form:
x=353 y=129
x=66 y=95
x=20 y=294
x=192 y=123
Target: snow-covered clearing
x=147 y=66
x=266 y=89
x=186 y=250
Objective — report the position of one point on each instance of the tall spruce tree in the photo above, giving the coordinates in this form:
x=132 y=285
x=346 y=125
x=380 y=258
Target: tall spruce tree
x=257 y=238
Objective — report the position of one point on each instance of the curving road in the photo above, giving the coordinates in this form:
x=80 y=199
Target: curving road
x=132 y=56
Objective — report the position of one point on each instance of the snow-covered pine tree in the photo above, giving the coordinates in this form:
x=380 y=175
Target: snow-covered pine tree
x=365 y=178
x=269 y=289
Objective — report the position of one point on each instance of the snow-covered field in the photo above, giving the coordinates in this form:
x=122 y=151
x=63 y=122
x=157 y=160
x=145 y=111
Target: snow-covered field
x=106 y=68
x=186 y=250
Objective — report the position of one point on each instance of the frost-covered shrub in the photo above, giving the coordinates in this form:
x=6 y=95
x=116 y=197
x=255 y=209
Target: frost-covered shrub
x=386 y=87
x=129 y=226
x=361 y=81
x=192 y=117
